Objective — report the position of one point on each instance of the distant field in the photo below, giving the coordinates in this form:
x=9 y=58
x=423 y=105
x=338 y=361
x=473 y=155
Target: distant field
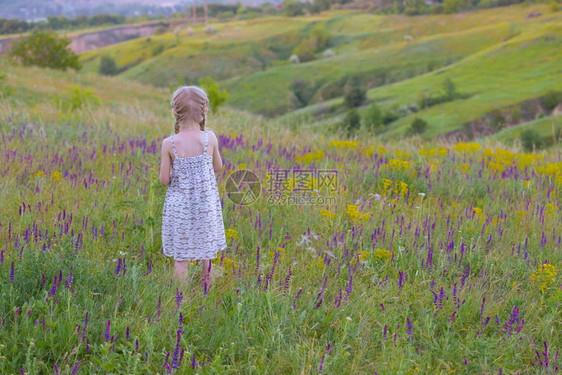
x=496 y=57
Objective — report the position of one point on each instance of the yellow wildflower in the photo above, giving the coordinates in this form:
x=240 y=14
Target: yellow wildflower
x=544 y=276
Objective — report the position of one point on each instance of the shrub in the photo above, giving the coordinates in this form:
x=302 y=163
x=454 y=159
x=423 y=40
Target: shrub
x=389 y=116
x=451 y=6
x=373 y=117
x=418 y=126
x=304 y=51
x=437 y=9
x=292 y=8
x=307 y=48
x=160 y=30
x=76 y=99
x=351 y=121
x=303 y=91
x=330 y=91
x=497 y=121
x=551 y=99
x=216 y=96
x=449 y=88
x=531 y=139
x=158 y=49
x=107 y=67
x=354 y=97
x=45 y=49
x=554 y=6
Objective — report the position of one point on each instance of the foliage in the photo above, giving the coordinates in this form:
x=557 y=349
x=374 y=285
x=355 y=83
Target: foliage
x=373 y=118
x=554 y=6
x=303 y=90
x=450 y=89
x=216 y=95
x=551 y=99
x=418 y=126
x=108 y=66
x=308 y=47
x=158 y=49
x=531 y=140
x=354 y=97
x=452 y=6
x=78 y=98
x=351 y=121
x=45 y=49
x=497 y=120
x=292 y=8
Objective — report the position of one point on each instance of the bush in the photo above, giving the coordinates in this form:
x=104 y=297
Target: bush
x=389 y=116
x=160 y=30
x=554 y=6
x=216 y=96
x=107 y=67
x=418 y=126
x=158 y=49
x=76 y=99
x=497 y=121
x=373 y=117
x=307 y=48
x=551 y=99
x=45 y=49
x=452 y=6
x=354 y=97
x=292 y=8
x=450 y=89
x=303 y=91
x=351 y=122
x=437 y=9
x=531 y=139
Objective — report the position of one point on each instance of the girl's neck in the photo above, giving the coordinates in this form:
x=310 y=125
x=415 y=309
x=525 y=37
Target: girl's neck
x=189 y=127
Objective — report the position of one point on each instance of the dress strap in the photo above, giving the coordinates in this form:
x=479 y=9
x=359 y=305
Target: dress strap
x=206 y=142
x=173 y=146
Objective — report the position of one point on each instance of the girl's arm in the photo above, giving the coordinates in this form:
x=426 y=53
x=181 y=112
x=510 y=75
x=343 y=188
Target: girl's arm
x=166 y=164
x=217 y=160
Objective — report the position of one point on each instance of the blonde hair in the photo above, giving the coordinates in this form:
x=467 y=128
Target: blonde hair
x=189 y=102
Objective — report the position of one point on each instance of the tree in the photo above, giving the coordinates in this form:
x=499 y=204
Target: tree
x=107 y=67
x=292 y=8
x=373 y=117
x=449 y=88
x=354 y=97
x=351 y=122
x=531 y=139
x=418 y=126
x=216 y=96
x=45 y=49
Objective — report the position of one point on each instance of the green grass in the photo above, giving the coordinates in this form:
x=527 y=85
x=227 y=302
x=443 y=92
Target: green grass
x=461 y=244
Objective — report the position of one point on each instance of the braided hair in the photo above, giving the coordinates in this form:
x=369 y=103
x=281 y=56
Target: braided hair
x=189 y=102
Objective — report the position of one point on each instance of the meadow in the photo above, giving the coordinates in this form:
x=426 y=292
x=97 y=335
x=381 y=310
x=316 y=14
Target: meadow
x=421 y=257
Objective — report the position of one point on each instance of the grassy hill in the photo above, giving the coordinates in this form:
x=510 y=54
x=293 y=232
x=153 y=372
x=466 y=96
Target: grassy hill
x=496 y=58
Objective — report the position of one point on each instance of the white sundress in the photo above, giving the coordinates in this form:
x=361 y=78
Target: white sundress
x=192 y=224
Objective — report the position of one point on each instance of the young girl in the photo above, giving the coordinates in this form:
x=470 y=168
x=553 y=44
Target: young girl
x=192 y=224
